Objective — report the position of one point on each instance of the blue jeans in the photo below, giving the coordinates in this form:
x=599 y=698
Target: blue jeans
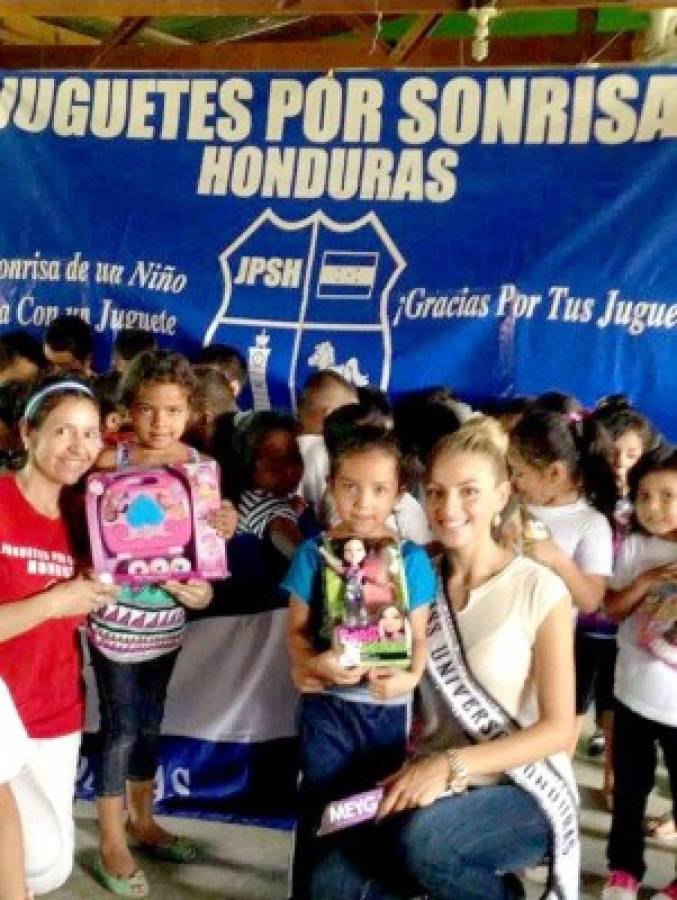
x=460 y=848
x=131 y=705
x=344 y=748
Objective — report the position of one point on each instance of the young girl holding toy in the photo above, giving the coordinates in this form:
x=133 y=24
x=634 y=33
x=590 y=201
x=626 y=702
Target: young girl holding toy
x=632 y=435
x=131 y=678
x=644 y=600
x=561 y=470
x=353 y=721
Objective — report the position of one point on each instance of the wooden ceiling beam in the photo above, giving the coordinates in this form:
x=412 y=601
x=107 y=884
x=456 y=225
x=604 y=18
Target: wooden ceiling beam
x=369 y=29
x=124 y=32
x=164 y=8
x=33 y=31
x=422 y=26
x=318 y=56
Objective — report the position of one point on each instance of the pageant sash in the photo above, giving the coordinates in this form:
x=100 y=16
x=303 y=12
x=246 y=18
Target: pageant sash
x=483 y=719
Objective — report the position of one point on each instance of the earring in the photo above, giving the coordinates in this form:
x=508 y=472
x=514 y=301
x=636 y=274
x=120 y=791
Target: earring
x=496 y=521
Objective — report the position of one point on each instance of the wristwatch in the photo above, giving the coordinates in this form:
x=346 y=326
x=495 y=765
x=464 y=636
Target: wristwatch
x=457 y=780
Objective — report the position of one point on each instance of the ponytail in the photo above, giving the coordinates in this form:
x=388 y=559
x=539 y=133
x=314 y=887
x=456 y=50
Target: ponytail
x=575 y=438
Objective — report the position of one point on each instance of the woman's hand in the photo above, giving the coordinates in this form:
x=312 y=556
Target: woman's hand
x=224 y=520
x=79 y=596
x=384 y=684
x=326 y=667
x=193 y=594
x=416 y=784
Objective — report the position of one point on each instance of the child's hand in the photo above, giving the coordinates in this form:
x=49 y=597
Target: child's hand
x=545 y=551
x=305 y=681
x=326 y=667
x=661 y=575
x=224 y=520
x=384 y=684
x=193 y=594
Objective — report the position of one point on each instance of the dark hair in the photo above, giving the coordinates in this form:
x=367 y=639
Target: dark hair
x=365 y=439
x=157 y=367
x=130 y=342
x=618 y=416
x=107 y=390
x=662 y=458
x=50 y=391
x=238 y=440
x=213 y=392
x=342 y=422
x=20 y=344
x=542 y=437
x=320 y=381
x=554 y=401
x=13 y=396
x=422 y=418
x=375 y=398
x=226 y=358
x=70 y=334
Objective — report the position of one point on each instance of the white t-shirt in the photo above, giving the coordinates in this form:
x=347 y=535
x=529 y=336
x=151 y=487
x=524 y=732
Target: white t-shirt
x=582 y=532
x=498 y=627
x=409 y=521
x=315 y=469
x=644 y=683
x=15 y=744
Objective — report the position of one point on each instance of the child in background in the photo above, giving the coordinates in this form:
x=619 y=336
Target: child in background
x=560 y=468
x=69 y=345
x=645 y=684
x=421 y=419
x=213 y=399
x=113 y=413
x=129 y=343
x=227 y=360
x=266 y=468
x=157 y=390
x=353 y=723
x=322 y=393
x=632 y=435
x=21 y=357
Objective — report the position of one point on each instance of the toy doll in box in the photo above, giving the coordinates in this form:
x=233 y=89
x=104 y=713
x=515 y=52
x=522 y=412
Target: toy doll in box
x=366 y=602
x=149 y=525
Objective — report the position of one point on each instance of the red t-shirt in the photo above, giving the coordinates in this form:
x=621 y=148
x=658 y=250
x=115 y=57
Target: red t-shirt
x=42 y=667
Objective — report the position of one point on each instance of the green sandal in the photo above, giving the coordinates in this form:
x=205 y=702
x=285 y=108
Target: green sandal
x=135 y=885
x=178 y=850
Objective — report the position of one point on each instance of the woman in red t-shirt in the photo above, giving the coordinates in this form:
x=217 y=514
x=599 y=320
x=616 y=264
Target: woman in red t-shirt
x=42 y=603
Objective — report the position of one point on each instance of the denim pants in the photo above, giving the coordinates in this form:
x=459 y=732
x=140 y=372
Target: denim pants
x=460 y=848
x=344 y=748
x=635 y=757
x=131 y=705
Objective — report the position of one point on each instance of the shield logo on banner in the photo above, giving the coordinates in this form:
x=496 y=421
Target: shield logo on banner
x=308 y=295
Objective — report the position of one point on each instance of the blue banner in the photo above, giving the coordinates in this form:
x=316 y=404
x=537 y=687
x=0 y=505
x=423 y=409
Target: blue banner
x=500 y=233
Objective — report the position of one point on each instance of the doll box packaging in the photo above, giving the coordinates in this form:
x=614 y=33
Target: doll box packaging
x=366 y=602
x=149 y=525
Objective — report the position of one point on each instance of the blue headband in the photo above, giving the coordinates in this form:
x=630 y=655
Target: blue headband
x=68 y=385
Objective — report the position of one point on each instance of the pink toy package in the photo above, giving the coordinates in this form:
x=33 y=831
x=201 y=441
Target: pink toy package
x=150 y=525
